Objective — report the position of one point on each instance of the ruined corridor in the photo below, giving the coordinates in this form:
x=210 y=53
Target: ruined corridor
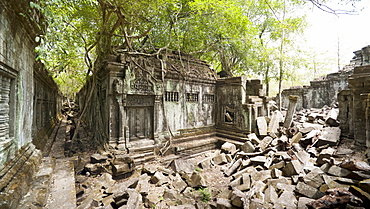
x=167 y=131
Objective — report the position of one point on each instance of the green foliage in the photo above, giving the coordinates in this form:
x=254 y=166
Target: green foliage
x=206 y=194
x=197 y=169
x=238 y=36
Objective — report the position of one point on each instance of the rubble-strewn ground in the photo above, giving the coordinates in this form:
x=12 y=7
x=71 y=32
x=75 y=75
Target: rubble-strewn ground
x=303 y=166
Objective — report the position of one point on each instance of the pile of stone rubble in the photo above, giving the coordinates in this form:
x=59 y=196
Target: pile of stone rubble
x=295 y=166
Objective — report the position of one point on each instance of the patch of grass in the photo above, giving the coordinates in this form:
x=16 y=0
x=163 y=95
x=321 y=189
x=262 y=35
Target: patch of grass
x=197 y=169
x=206 y=194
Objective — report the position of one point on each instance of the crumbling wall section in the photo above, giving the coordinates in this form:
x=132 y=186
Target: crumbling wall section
x=28 y=97
x=324 y=91
x=354 y=107
x=146 y=97
x=321 y=91
x=239 y=103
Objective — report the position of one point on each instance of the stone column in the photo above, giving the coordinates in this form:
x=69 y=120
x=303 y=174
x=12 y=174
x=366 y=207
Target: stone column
x=250 y=117
x=368 y=124
x=290 y=112
x=156 y=114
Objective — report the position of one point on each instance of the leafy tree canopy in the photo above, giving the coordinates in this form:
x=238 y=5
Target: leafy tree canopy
x=237 y=36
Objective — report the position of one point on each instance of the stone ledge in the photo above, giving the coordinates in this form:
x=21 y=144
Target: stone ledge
x=17 y=175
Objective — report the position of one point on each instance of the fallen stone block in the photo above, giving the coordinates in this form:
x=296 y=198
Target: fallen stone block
x=153 y=197
x=271 y=194
x=236 y=182
x=94 y=169
x=223 y=203
x=261 y=176
x=276 y=118
x=330 y=136
x=331 y=183
x=296 y=138
x=177 y=183
x=158 y=178
x=247 y=147
x=238 y=198
x=338 y=171
x=121 y=169
x=233 y=167
x=133 y=201
x=285 y=187
x=196 y=180
x=180 y=165
x=182 y=207
x=149 y=168
x=265 y=143
x=276 y=173
x=308 y=191
x=258 y=160
x=228 y=148
x=122 y=159
x=287 y=199
x=118 y=187
x=331 y=118
x=325 y=155
x=205 y=163
x=98 y=158
x=335 y=198
x=355 y=165
x=303 y=201
x=245 y=170
x=278 y=165
x=294 y=167
x=262 y=126
x=362 y=195
x=259 y=188
x=143 y=184
x=303 y=156
x=274 y=182
x=253 y=138
x=259 y=203
x=365 y=185
x=106 y=180
x=220 y=159
x=314 y=178
x=170 y=194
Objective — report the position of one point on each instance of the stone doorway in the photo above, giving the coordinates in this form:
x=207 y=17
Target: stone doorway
x=140 y=117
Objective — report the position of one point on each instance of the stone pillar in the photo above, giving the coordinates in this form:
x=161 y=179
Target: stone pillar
x=368 y=124
x=250 y=117
x=157 y=109
x=290 y=112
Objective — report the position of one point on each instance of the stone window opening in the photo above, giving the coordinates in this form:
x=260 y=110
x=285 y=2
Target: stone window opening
x=229 y=115
x=208 y=98
x=192 y=97
x=171 y=97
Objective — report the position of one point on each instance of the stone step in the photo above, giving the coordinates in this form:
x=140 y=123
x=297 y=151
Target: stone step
x=62 y=190
x=38 y=193
x=143 y=160
x=189 y=153
x=144 y=149
x=231 y=132
x=232 y=136
x=193 y=147
x=141 y=143
x=192 y=138
x=222 y=140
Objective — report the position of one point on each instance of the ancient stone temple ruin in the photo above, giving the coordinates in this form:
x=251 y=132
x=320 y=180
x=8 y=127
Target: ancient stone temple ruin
x=146 y=100
x=354 y=106
x=323 y=91
x=29 y=101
